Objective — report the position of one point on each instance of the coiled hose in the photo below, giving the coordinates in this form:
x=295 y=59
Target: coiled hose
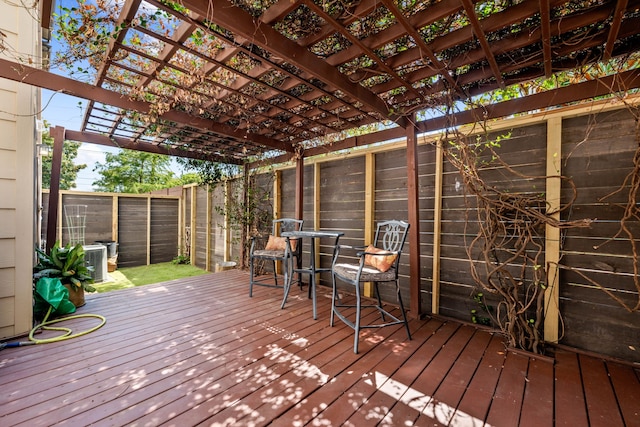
x=45 y=325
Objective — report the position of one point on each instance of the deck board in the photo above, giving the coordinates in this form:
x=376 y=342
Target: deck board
x=627 y=388
x=600 y=396
x=199 y=351
x=569 y=391
x=507 y=401
x=537 y=408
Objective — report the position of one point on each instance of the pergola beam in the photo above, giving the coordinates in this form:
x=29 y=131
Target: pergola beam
x=127 y=14
x=119 y=142
x=225 y=14
x=43 y=79
x=482 y=38
x=545 y=24
x=241 y=44
x=46 y=7
x=564 y=95
x=614 y=29
x=381 y=65
x=415 y=35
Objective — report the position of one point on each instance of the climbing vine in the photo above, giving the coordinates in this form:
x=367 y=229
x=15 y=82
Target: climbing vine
x=506 y=254
x=248 y=208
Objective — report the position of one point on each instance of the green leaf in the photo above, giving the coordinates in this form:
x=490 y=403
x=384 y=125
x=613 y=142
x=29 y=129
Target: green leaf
x=71 y=259
x=47 y=273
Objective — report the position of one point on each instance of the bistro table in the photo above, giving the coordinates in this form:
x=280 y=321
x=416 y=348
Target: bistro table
x=312 y=270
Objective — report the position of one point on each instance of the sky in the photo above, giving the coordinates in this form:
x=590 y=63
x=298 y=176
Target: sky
x=63 y=110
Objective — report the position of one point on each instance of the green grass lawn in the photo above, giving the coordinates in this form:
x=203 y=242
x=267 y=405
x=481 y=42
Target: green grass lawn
x=147 y=274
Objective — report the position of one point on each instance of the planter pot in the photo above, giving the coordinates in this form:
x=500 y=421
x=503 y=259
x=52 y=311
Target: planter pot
x=76 y=295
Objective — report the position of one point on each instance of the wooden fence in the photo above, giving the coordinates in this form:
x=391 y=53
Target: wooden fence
x=145 y=227
x=351 y=191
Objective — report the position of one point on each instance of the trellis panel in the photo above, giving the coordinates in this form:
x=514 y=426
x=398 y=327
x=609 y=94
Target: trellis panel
x=132 y=232
x=597 y=153
x=524 y=150
x=164 y=230
x=342 y=203
x=202 y=200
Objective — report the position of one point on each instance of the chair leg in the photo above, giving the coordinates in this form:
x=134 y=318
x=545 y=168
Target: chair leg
x=250 y=277
x=357 y=324
x=375 y=284
x=404 y=314
x=288 y=277
x=299 y=267
x=275 y=275
x=334 y=295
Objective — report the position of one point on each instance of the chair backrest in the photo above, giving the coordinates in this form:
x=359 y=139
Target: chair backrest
x=391 y=235
x=286 y=224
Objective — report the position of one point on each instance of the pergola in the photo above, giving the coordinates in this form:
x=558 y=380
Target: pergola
x=233 y=81
x=244 y=82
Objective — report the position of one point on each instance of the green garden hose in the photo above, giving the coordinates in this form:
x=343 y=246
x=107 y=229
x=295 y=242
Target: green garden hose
x=45 y=325
x=68 y=333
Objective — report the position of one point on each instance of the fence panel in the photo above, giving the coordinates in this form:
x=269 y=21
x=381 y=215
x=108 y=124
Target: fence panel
x=598 y=152
x=135 y=246
x=164 y=230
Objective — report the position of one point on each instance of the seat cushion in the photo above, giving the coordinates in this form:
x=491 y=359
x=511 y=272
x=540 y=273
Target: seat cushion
x=369 y=274
x=268 y=254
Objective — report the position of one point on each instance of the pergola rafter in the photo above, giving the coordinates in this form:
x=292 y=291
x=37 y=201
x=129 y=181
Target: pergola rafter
x=482 y=38
x=247 y=79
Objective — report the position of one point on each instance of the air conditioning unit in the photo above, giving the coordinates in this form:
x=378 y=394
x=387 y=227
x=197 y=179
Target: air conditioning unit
x=96 y=257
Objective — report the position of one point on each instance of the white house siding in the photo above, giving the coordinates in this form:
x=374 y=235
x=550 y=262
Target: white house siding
x=18 y=107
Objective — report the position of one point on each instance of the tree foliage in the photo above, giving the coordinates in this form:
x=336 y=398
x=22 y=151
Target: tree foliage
x=207 y=172
x=134 y=172
x=69 y=170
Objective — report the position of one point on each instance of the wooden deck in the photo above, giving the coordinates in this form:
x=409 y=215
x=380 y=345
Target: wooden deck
x=201 y=352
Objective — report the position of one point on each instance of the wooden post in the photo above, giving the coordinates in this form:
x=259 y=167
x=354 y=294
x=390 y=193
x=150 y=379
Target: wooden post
x=149 y=230
x=208 y=237
x=299 y=210
x=192 y=226
x=60 y=215
x=369 y=208
x=277 y=205
x=437 y=233
x=54 y=187
x=244 y=233
x=277 y=194
x=413 y=207
x=181 y=225
x=316 y=213
x=227 y=222
x=114 y=218
x=316 y=197
x=552 y=234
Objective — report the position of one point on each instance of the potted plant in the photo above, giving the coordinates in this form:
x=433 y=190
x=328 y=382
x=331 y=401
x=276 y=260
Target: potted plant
x=69 y=266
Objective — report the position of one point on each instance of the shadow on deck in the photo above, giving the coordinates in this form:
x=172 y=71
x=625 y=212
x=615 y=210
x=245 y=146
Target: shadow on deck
x=200 y=351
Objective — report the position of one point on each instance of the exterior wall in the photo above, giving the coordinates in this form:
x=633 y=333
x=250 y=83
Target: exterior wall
x=17 y=183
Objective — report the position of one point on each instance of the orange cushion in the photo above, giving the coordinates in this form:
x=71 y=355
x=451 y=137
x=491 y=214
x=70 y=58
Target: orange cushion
x=279 y=243
x=382 y=263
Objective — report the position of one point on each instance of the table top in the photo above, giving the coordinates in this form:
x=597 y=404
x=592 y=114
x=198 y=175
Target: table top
x=311 y=233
